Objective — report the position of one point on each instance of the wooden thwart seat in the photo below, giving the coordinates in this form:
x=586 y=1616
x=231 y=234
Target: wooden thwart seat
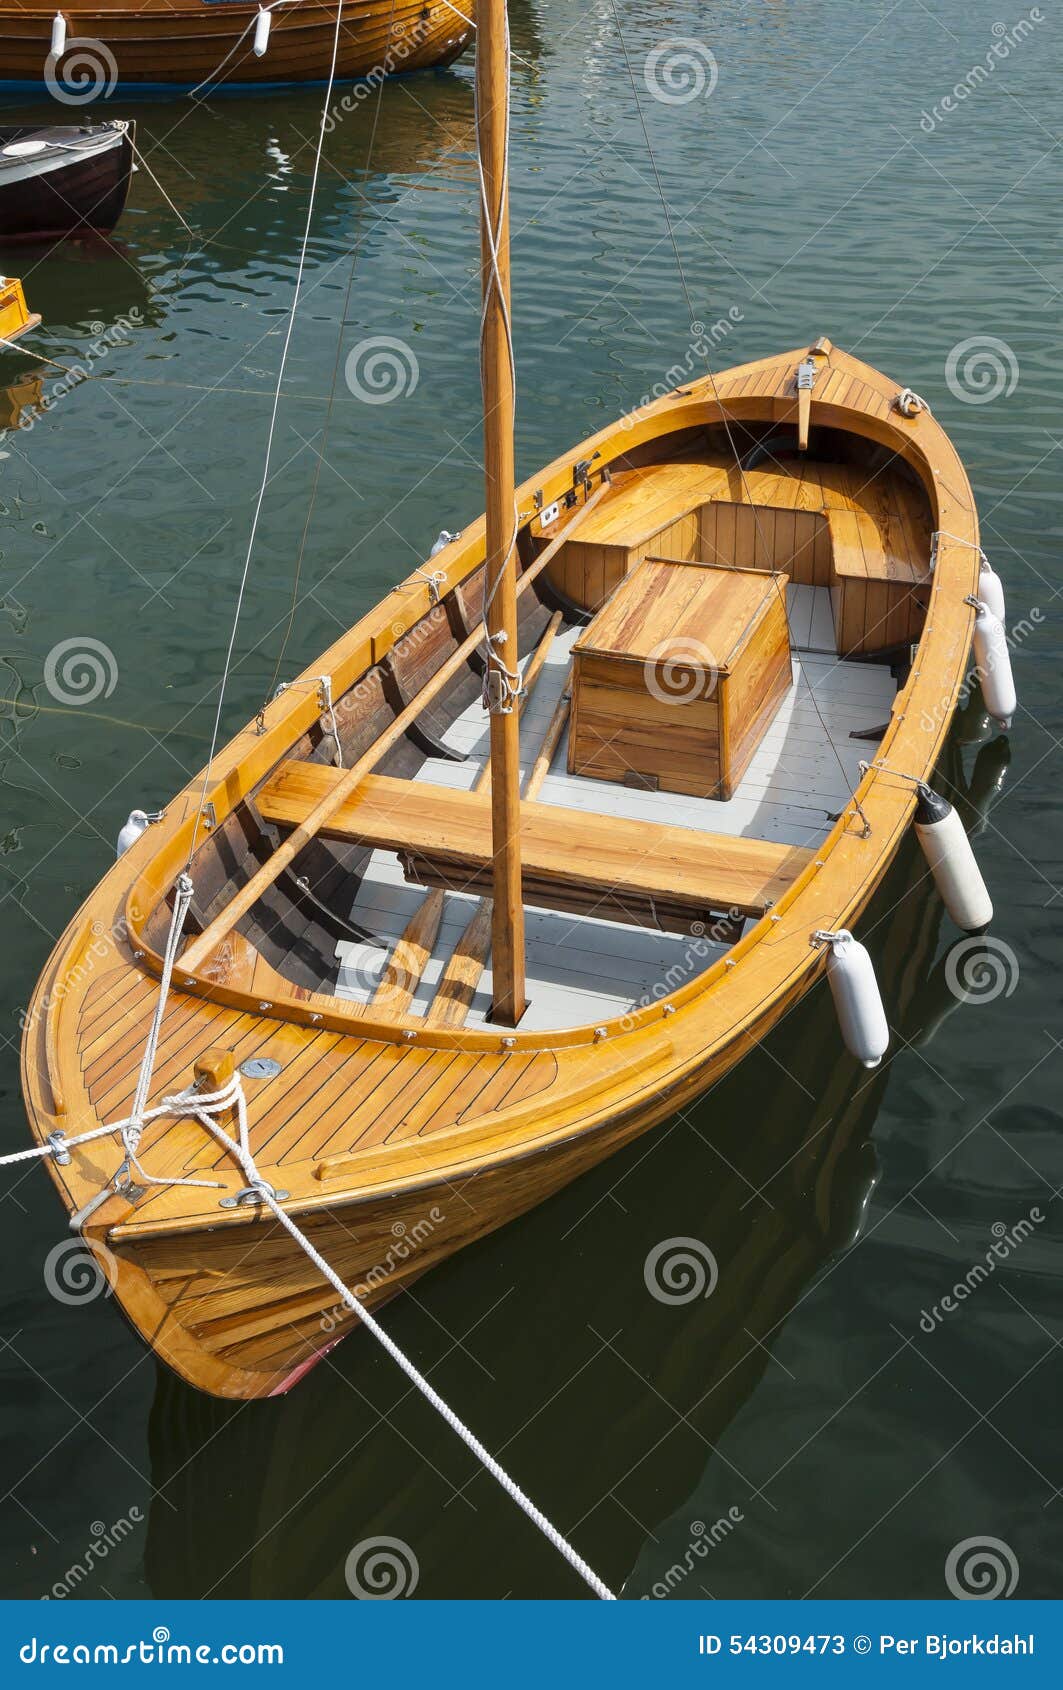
x=624 y=870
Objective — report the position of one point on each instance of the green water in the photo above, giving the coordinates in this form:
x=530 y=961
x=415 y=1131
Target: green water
x=812 y=1425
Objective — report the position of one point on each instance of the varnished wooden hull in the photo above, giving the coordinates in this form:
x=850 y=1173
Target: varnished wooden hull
x=187 y=42
x=398 y=1141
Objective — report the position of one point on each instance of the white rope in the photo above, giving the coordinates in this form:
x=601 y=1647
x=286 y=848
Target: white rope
x=206 y=1107
x=131 y=1132
x=241 y=1151
x=501 y=683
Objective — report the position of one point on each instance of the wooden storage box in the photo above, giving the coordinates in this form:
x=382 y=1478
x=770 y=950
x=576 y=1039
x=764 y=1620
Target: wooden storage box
x=676 y=680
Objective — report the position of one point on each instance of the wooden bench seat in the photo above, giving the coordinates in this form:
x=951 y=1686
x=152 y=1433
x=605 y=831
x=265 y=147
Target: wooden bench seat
x=642 y=872
x=879 y=596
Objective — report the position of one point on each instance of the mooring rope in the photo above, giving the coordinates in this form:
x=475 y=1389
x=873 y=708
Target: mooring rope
x=206 y=1107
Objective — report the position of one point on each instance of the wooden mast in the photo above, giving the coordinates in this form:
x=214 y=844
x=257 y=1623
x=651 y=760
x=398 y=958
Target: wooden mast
x=497 y=375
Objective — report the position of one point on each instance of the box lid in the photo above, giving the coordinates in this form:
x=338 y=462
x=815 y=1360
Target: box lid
x=665 y=603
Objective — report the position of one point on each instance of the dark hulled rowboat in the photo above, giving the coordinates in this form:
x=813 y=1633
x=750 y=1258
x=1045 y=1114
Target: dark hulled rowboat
x=63 y=180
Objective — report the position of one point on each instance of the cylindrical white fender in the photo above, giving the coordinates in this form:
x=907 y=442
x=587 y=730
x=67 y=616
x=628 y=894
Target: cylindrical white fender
x=58 y=36
x=952 y=862
x=993 y=659
x=262 y=27
x=134 y=827
x=991 y=589
x=851 y=977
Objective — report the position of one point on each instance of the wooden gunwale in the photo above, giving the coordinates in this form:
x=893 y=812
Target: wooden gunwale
x=714 y=1015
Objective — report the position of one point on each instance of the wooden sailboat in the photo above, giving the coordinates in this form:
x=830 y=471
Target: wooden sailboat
x=452 y=981
x=185 y=43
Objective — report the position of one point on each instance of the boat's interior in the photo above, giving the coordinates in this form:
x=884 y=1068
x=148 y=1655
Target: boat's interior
x=705 y=665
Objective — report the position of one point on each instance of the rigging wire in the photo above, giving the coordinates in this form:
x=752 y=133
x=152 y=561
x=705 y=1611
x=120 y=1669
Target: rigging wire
x=260 y=498
x=719 y=401
x=320 y=455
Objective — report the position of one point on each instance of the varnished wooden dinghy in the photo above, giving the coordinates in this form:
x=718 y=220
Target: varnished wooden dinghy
x=63 y=179
x=187 y=43
x=692 y=815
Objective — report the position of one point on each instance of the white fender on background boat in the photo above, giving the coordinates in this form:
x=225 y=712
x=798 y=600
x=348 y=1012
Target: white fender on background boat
x=58 y=36
x=952 y=862
x=857 y=1001
x=994 y=664
x=262 y=28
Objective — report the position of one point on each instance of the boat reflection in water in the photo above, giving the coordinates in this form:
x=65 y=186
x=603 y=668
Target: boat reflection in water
x=776 y=1179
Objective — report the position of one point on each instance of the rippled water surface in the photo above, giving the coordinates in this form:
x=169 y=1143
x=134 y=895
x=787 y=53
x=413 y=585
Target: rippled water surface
x=813 y=1425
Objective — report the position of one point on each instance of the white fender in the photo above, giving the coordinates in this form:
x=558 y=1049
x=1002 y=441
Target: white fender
x=952 y=862
x=851 y=977
x=58 y=36
x=993 y=659
x=134 y=827
x=262 y=28
x=991 y=589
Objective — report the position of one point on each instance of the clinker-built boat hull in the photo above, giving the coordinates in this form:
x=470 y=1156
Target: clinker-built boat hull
x=396 y=1133
x=185 y=43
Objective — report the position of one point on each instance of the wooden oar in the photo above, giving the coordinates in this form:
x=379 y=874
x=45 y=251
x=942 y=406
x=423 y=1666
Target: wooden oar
x=466 y=963
x=300 y=837
x=415 y=944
